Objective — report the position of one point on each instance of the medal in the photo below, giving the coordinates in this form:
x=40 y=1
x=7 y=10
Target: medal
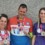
x=42 y=30
x=5 y=41
x=42 y=34
x=21 y=33
x=38 y=30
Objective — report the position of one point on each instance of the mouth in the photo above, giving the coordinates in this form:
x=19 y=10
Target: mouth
x=2 y=25
x=22 y=16
x=43 y=17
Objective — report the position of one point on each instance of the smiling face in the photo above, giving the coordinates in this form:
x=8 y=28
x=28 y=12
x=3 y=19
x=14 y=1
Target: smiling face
x=3 y=22
x=42 y=15
x=22 y=12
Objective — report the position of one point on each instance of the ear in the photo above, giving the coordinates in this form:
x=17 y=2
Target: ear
x=18 y=10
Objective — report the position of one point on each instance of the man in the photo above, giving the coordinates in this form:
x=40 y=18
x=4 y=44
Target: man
x=20 y=27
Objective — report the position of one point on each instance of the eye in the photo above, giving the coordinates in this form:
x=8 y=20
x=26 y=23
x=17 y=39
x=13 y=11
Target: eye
x=23 y=12
x=5 y=21
x=44 y=13
x=20 y=11
x=2 y=21
x=41 y=13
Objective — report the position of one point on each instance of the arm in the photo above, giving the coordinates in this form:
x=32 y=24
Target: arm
x=1 y=43
x=34 y=33
x=33 y=39
x=30 y=34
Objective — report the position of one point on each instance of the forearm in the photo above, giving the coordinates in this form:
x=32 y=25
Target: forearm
x=8 y=43
x=33 y=39
x=1 y=43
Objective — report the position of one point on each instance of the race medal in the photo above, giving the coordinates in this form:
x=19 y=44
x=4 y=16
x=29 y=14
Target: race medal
x=38 y=30
x=5 y=41
x=21 y=33
x=42 y=34
x=21 y=26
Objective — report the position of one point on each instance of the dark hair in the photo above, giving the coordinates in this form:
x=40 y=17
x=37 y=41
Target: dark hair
x=4 y=15
x=39 y=13
x=23 y=6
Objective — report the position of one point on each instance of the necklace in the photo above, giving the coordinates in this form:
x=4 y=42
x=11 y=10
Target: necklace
x=20 y=28
x=42 y=27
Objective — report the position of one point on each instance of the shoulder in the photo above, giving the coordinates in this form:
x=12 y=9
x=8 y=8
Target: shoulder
x=36 y=24
x=27 y=19
x=7 y=31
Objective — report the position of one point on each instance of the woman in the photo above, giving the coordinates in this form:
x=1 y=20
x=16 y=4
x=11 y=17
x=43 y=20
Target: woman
x=39 y=29
x=4 y=34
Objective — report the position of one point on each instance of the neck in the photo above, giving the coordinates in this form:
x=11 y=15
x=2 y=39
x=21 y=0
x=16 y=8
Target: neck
x=2 y=29
x=42 y=21
x=20 y=19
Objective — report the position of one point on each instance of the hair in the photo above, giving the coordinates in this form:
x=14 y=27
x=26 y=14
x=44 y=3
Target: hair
x=39 y=20
x=23 y=6
x=4 y=15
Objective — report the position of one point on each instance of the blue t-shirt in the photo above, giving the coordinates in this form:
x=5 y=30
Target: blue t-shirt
x=40 y=40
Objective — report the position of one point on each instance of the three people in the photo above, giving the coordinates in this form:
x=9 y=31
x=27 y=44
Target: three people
x=4 y=34
x=21 y=27
x=39 y=29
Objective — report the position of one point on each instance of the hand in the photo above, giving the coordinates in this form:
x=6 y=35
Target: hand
x=8 y=43
x=25 y=32
x=1 y=43
x=44 y=35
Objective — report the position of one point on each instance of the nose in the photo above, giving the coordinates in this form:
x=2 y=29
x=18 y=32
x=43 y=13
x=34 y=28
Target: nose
x=43 y=14
x=22 y=12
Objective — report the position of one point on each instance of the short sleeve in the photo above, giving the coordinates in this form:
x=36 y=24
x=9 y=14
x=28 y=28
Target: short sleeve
x=31 y=27
x=8 y=25
x=35 y=29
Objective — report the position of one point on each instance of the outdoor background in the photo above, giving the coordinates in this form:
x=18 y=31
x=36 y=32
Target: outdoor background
x=10 y=7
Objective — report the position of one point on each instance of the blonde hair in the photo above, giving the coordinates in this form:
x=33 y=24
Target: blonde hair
x=39 y=20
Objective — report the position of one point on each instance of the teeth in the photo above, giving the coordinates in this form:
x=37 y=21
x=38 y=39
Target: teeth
x=43 y=17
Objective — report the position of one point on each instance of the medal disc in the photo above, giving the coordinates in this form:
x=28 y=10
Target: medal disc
x=38 y=30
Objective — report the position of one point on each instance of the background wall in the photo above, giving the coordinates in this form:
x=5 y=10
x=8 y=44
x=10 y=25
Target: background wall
x=10 y=7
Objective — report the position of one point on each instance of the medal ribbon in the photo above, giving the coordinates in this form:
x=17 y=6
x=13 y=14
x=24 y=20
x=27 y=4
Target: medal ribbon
x=5 y=35
x=20 y=28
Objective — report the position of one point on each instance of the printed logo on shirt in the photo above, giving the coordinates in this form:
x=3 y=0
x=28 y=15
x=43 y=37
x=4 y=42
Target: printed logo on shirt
x=27 y=23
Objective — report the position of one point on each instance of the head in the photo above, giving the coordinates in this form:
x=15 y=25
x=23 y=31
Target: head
x=3 y=20
x=41 y=15
x=22 y=11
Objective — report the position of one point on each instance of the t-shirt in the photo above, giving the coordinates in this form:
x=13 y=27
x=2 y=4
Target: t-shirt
x=40 y=40
x=17 y=36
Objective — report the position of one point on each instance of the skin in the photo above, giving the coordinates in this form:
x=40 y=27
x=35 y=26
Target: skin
x=42 y=16
x=3 y=23
x=21 y=14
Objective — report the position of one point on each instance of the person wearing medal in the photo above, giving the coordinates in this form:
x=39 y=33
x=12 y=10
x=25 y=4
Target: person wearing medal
x=20 y=27
x=4 y=33
x=39 y=29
